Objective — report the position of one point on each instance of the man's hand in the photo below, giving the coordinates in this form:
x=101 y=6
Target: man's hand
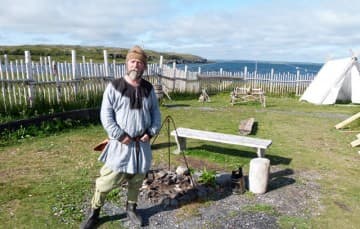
x=145 y=138
x=126 y=140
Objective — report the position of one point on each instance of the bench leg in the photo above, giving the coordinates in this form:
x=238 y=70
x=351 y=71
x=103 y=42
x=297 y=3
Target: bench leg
x=181 y=144
x=260 y=152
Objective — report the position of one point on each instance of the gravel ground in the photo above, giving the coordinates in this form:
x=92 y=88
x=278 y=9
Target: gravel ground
x=290 y=193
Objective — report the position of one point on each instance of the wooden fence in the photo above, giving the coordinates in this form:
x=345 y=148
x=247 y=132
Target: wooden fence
x=24 y=82
x=273 y=83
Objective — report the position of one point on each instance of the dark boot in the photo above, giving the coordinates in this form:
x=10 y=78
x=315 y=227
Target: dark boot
x=132 y=214
x=92 y=220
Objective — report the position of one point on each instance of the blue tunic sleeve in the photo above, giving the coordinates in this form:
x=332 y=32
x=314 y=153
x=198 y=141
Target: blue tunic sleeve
x=107 y=114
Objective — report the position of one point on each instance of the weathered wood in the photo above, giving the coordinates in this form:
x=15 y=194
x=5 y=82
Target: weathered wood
x=204 y=97
x=182 y=133
x=355 y=143
x=246 y=126
x=347 y=121
x=247 y=94
x=171 y=77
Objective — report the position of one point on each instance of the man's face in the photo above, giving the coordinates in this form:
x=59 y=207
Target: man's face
x=135 y=68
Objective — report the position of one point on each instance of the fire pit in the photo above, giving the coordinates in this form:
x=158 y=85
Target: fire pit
x=173 y=189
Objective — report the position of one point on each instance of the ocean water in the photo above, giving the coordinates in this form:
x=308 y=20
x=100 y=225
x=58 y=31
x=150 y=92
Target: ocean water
x=259 y=66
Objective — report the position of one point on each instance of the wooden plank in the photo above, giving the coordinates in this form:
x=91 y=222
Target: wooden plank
x=222 y=138
x=355 y=143
x=347 y=121
x=245 y=126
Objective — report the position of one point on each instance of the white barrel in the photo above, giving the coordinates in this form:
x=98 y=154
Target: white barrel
x=259 y=175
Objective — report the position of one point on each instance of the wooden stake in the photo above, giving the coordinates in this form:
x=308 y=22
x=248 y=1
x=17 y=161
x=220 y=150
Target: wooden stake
x=355 y=143
x=347 y=121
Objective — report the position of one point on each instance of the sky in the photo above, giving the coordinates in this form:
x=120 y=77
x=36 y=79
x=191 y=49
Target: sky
x=278 y=30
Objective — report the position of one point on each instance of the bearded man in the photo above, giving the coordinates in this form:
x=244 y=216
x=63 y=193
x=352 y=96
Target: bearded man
x=130 y=115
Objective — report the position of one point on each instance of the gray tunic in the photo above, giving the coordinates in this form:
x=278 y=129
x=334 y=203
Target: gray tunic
x=132 y=111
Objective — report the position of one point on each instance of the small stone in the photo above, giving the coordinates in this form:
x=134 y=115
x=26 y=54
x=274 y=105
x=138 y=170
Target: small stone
x=182 y=170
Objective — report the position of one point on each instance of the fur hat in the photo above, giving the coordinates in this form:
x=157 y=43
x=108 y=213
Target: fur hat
x=137 y=53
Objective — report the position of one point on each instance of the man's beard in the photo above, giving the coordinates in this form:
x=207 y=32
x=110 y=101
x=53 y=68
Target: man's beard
x=135 y=74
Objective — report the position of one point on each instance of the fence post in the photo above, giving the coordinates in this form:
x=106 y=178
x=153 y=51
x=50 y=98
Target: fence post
x=73 y=64
x=74 y=75
x=174 y=75
x=271 y=80
x=6 y=64
x=91 y=68
x=297 y=82
x=29 y=76
x=106 y=65
x=114 y=68
x=2 y=85
x=160 y=69
x=245 y=75
x=51 y=76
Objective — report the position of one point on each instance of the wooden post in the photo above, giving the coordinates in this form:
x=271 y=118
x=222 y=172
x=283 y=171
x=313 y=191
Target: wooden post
x=91 y=68
x=73 y=64
x=355 y=143
x=51 y=74
x=297 y=82
x=259 y=175
x=6 y=64
x=2 y=85
x=29 y=76
x=55 y=72
x=106 y=65
x=271 y=80
x=114 y=68
x=245 y=74
x=84 y=66
x=347 y=121
x=174 y=75
x=160 y=69
x=74 y=75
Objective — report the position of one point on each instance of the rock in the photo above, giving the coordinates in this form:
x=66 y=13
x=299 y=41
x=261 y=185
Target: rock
x=182 y=170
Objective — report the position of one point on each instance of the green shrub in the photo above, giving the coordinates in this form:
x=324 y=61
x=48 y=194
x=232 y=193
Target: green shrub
x=207 y=177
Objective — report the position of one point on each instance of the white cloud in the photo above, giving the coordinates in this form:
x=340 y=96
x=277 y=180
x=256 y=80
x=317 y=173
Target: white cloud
x=269 y=30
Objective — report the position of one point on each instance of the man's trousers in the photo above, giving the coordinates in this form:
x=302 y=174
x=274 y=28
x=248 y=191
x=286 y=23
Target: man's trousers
x=109 y=180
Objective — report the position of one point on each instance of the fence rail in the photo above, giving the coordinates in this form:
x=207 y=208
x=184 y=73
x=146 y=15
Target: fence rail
x=24 y=82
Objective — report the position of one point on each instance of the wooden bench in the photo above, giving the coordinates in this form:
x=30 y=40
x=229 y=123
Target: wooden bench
x=248 y=94
x=182 y=133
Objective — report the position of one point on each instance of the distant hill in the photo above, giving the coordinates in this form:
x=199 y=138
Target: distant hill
x=63 y=53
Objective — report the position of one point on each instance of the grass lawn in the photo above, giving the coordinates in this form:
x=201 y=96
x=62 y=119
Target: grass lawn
x=47 y=181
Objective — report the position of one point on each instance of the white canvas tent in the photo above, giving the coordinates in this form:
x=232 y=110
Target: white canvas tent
x=337 y=80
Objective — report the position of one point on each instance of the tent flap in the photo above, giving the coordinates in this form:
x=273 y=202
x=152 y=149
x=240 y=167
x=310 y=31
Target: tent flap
x=336 y=80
